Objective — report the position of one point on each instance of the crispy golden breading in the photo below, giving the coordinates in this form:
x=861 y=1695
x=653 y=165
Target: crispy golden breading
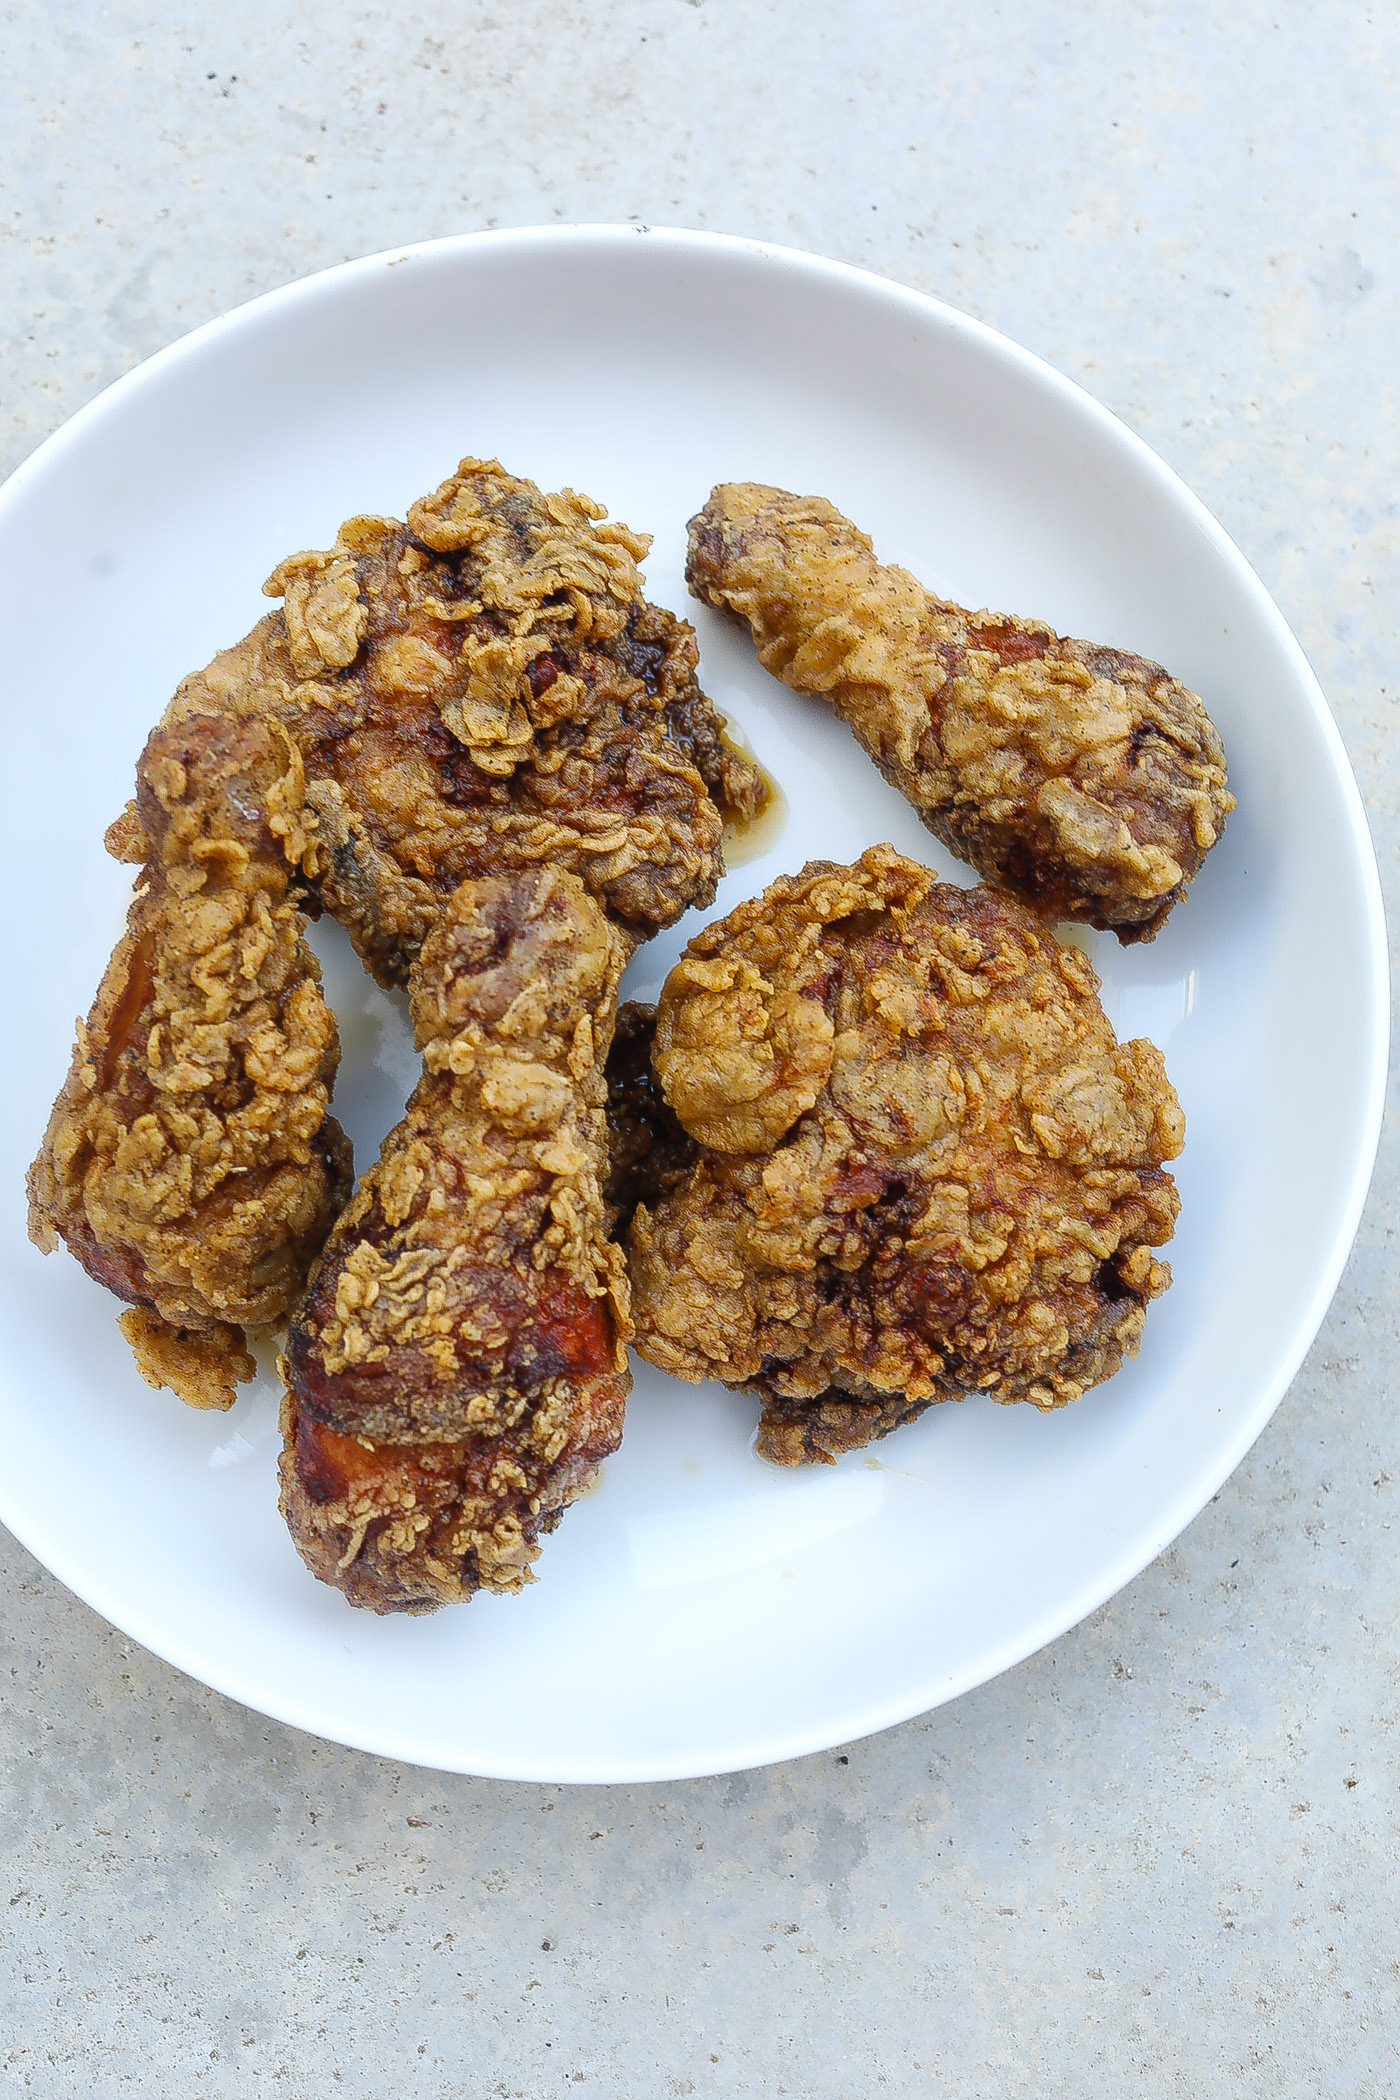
x=1085 y=779
x=458 y=1369
x=924 y=1166
x=201 y=1364
x=485 y=688
x=190 y=1163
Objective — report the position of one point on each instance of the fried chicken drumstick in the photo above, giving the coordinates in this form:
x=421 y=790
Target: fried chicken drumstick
x=922 y=1166
x=1086 y=779
x=458 y=1369
x=190 y=1163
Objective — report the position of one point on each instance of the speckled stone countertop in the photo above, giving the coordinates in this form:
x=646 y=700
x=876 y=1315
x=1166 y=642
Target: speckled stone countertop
x=1159 y=1858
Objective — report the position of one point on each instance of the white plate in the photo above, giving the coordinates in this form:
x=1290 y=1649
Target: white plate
x=701 y=1611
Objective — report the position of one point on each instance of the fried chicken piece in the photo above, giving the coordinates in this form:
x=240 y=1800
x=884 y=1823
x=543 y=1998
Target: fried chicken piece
x=458 y=1368
x=189 y=1162
x=1085 y=779
x=924 y=1166
x=485 y=688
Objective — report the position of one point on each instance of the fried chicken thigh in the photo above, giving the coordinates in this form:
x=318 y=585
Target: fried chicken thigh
x=922 y=1164
x=190 y=1163
x=458 y=1370
x=480 y=689
x=1086 y=779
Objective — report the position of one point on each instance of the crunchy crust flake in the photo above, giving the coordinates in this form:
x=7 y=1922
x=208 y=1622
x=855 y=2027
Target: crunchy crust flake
x=201 y=1365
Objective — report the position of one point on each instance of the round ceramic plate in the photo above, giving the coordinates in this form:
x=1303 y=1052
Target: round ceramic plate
x=700 y=1611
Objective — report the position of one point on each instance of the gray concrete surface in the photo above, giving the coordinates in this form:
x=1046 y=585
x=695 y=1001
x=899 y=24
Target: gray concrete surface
x=1157 y=1859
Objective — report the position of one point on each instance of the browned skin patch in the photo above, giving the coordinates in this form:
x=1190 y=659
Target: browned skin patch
x=648 y=1152
x=1085 y=778
x=922 y=1166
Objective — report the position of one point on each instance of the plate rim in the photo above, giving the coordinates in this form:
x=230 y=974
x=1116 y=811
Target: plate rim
x=1146 y=1546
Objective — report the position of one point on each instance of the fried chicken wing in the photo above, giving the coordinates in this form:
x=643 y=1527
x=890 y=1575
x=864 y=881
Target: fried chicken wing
x=922 y=1165
x=480 y=689
x=190 y=1163
x=458 y=1370
x=1086 y=779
